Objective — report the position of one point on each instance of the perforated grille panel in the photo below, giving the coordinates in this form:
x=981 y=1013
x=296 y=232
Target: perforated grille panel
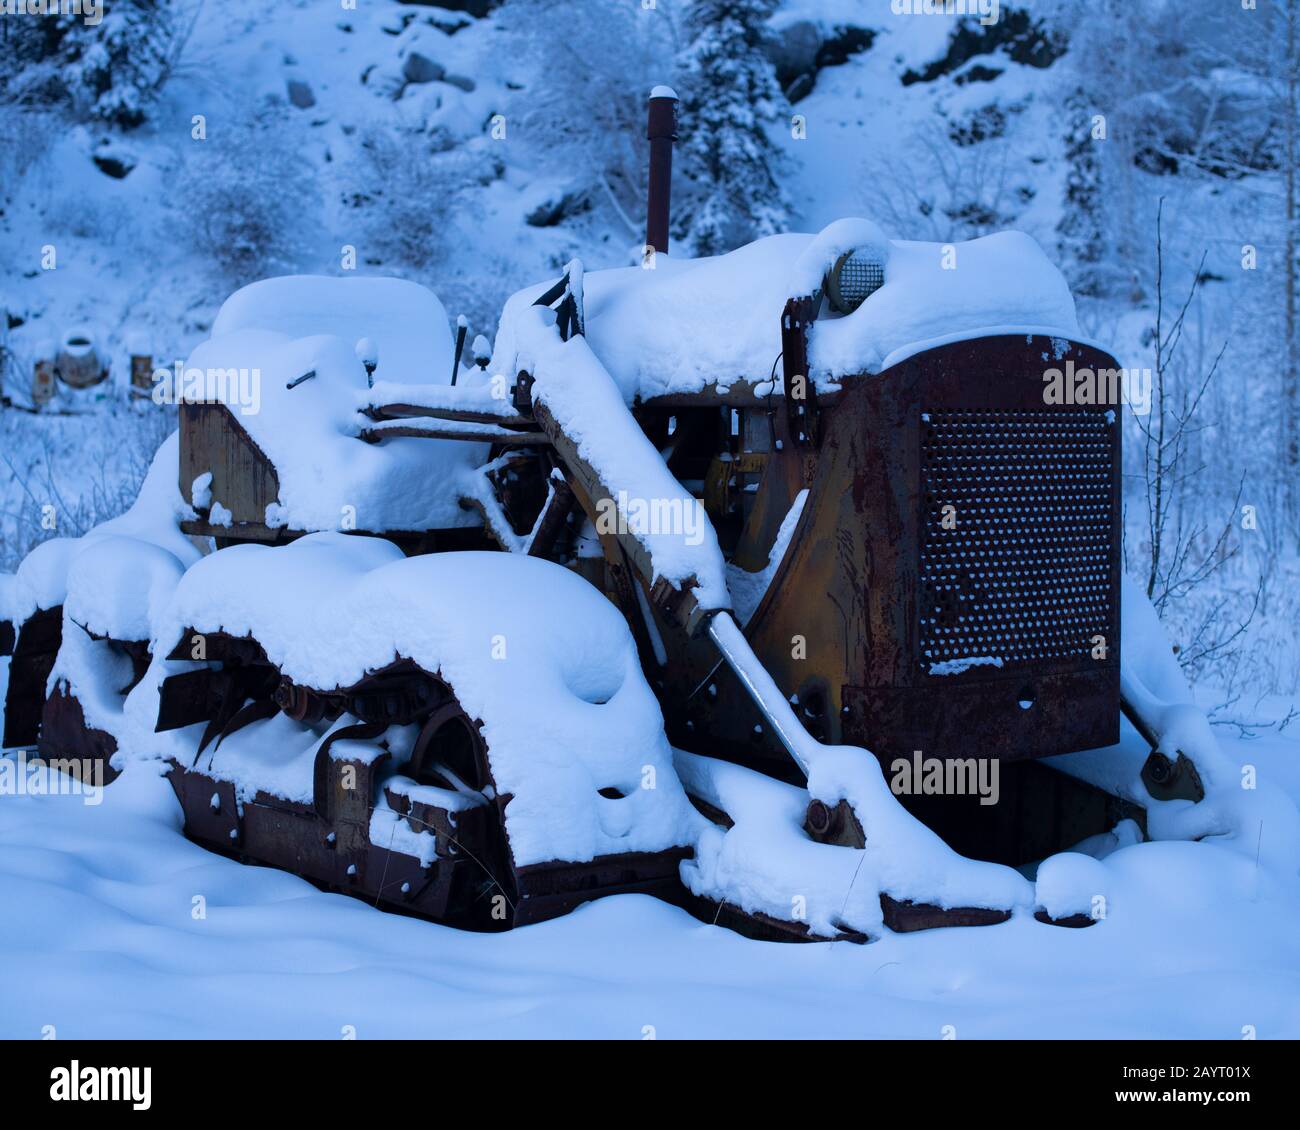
x=1017 y=537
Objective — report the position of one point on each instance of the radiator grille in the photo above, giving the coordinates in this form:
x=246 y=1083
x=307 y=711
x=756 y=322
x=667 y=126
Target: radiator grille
x=1024 y=574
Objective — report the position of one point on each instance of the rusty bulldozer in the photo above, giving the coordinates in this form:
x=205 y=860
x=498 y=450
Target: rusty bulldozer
x=649 y=601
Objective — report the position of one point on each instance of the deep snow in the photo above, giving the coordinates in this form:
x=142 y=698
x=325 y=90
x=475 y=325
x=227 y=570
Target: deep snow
x=107 y=945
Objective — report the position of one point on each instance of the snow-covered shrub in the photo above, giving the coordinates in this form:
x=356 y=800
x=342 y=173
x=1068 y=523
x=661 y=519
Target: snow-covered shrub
x=243 y=198
x=479 y=288
x=109 y=71
x=62 y=477
x=730 y=99
x=74 y=212
x=945 y=190
x=408 y=194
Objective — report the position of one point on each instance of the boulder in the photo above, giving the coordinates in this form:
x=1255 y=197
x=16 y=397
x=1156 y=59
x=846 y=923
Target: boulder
x=793 y=51
x=420 y=68
x=300 y=94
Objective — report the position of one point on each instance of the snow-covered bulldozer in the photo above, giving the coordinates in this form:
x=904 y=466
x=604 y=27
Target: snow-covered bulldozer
x=625 y=609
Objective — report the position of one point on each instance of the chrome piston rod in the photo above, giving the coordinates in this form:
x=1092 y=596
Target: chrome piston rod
x=772 y=705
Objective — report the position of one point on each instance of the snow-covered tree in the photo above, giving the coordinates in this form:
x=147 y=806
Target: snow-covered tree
x=730 y=98
x=1246 y=60
x=110 y=71
x=1115 y=76
x=583 y=79
x=1269 y=54
x=1080 y=237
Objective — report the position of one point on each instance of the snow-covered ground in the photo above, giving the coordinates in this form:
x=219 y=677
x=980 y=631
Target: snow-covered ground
x=116 y=926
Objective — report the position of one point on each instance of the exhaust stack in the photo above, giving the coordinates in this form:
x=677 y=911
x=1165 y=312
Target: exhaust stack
x=662 y=132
